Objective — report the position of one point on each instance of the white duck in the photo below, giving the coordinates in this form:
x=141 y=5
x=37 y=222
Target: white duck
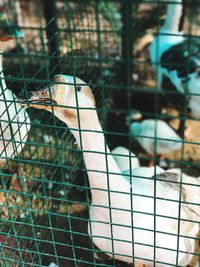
x=154 y=136
x=125 y=159
x=169 y=36
x=15 y=122
x=131 y=237
x=177 y=59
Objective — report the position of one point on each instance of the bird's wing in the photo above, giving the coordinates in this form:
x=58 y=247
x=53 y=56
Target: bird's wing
x=169 y=143
x=179 y=61
x=182 y=57
x=172 y=181
x=165 y=135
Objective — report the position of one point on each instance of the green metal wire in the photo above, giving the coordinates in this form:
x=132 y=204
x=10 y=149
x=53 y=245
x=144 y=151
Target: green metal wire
x=95 y=41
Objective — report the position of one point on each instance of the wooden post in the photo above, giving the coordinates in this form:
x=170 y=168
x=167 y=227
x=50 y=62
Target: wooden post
x=127 y=41
x=52 y=35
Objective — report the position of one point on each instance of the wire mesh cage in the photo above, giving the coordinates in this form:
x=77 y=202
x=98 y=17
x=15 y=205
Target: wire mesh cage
x=65 y=199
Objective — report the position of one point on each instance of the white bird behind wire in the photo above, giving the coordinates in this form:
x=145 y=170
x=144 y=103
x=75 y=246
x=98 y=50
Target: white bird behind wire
x=122 y=212
x=176 y=59
x=154 y=136
x=168 y=36
x=14 y=121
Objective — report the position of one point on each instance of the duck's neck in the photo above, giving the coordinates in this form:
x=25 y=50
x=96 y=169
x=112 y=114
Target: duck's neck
x=174 y=14
x=102 y=170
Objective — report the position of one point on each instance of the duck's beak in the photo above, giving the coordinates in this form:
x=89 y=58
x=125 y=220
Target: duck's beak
x=40 y=97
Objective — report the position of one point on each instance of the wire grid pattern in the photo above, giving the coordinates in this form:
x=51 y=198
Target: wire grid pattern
x=47 y=194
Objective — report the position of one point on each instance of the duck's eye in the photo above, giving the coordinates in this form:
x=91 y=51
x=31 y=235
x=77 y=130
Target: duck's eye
x=78 y=88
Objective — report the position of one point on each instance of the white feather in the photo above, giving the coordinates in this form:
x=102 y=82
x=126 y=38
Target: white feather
x=125 y=159
x=15 y=122
x=157 y=134
x=166 y=38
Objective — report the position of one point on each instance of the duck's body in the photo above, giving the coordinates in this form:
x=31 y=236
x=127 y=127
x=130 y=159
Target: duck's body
x=155 y=136
x=165 y=40
x=167 y=191
x=15 y=125
x=14 y=121
x=132 y=232
x=143 y=207
x=176 y=59
x=169 y=35
x=125 y=159
x=181 y=72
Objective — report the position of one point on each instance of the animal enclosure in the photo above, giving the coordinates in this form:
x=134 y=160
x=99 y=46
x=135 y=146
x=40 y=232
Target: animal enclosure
x=45 y=193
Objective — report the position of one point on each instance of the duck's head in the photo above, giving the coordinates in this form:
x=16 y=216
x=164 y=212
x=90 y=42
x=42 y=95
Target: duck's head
x=68 y=97
x=8 y=31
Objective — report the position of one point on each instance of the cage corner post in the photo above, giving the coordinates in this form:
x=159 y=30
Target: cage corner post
x=127 y=41
x=125 y=68
x=50 y=14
